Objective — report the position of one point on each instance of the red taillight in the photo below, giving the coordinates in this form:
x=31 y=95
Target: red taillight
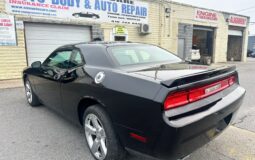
x=232 y=80
x=178 y=99
x=196 y=94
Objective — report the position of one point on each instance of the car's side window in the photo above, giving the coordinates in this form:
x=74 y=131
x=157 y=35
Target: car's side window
x=77 y=59
x=60 y=59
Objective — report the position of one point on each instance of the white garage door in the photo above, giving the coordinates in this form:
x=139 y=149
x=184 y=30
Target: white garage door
x=235 y=33
x=43 y=39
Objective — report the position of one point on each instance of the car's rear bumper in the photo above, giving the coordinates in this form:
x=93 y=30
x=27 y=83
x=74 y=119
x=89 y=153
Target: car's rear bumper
x=182 y=136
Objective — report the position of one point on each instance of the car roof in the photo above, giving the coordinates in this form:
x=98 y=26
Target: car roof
x=101 y=43
x=95 y=52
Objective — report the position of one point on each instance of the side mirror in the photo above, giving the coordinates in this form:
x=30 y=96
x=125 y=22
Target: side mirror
x=36 y=64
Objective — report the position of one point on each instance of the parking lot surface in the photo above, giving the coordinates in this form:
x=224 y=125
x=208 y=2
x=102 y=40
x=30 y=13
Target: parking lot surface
x=28 y=133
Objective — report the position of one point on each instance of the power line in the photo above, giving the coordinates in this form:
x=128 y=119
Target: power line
x=245 y=9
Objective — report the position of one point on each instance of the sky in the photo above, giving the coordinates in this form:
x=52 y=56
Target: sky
x=243 y=7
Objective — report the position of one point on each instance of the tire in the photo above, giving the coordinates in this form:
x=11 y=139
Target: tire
x=30 y=95
x=99 y=133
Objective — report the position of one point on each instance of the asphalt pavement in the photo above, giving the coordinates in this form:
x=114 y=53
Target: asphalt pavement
x=28 y=133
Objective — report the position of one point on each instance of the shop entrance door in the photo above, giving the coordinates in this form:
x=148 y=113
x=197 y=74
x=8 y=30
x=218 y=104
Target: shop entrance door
x=235 y=45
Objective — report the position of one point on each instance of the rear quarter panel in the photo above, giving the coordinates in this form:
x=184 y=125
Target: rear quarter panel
x=129 y=100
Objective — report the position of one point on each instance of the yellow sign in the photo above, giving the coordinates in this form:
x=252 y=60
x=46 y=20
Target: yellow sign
x=120 y=30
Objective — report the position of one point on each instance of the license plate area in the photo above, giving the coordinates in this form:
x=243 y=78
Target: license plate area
x=212 y=89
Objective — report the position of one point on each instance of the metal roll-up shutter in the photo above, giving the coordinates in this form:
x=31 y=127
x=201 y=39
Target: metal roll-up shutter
x=203 y=28
x=235 y=33
x=43 y=39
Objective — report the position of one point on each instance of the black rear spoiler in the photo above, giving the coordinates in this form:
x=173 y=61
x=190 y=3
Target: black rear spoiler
x=201 y=78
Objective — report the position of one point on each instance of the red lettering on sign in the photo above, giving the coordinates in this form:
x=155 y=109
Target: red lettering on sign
x=5 y=20
x=206 y=15
x=237 y=20
x=7 y=24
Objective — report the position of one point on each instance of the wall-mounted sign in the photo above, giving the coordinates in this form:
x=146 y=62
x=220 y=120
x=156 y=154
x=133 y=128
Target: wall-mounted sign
x=120 y=30
x=237 y=21
x=205 y=15
x=124 y=12
x=7 y=30
x=19 y=25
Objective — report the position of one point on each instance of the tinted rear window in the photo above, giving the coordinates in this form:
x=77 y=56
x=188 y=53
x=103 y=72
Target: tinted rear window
x=140 y=54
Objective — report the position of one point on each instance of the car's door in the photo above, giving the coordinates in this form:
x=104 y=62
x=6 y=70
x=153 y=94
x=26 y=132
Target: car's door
x=48 y=83
x=73 y=85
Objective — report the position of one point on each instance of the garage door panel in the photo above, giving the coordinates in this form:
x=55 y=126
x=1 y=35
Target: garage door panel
x=43 y=39
x=35 y=59
x=45 y=29
x=45 y=35
x=44 y=47
x=64 y=37
x=52 y=42
x=235 y=33
x=41 y=53
x=38 y=57
x=56 y=27
x=60 y=35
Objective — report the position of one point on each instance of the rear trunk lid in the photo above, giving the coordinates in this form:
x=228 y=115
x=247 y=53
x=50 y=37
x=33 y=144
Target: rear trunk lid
x=181 y=74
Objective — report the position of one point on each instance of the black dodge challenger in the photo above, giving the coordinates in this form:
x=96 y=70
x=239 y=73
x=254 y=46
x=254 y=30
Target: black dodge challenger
x=135 y=98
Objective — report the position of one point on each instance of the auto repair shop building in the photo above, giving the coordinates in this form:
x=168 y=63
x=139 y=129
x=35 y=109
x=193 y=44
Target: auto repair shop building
x=31 y=29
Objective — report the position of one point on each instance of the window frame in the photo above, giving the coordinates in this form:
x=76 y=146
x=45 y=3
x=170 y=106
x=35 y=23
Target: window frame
x=72 y=49
x=55 y=52
x=117 y=64
x=82 y=58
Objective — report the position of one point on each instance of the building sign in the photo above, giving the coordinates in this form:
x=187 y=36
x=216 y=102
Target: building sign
x=124 y=12
x=19 y=25
x=7 y=30
x=119 y=30
x=205 y=15
x=237 y=21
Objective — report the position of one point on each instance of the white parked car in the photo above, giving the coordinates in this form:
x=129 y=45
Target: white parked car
x=195 y=54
